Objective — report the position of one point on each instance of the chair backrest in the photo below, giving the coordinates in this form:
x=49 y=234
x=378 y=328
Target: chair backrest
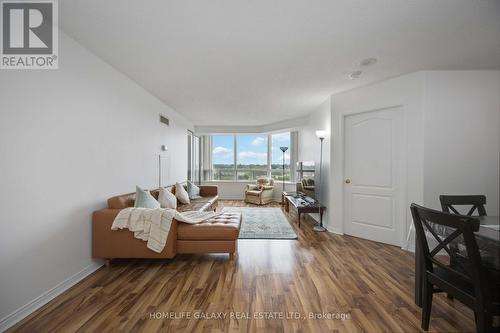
x=476 y=201
x=307 y=181
x=453 y=234
x=265 y=181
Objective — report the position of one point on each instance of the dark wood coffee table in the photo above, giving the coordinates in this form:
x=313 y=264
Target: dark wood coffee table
x=301 y=208
x=287 y=193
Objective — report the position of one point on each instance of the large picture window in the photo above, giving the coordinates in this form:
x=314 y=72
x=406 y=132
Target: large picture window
x=251 y=156
x=248 y=157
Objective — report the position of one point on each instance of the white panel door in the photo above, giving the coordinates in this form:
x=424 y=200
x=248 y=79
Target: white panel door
x=372 y=151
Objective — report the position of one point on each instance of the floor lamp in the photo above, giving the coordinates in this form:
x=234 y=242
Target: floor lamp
x=321 y=136
x=283 y=149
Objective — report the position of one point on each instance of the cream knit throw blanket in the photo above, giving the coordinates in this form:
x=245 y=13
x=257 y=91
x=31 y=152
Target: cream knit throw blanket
x=153 y=224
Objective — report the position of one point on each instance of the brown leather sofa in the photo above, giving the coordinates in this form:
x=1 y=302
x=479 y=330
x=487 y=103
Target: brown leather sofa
x=217 y=235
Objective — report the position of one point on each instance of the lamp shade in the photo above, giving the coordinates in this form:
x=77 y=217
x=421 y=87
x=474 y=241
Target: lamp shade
x=284 y=149
x=321 y=134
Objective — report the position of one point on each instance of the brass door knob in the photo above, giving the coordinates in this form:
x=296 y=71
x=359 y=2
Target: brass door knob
x=347 y=181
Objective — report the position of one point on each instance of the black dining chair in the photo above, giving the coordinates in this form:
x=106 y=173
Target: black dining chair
x=468 y=280
x=476 y=202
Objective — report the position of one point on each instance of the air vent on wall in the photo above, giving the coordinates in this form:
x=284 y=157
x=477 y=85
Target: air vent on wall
x=164 y=120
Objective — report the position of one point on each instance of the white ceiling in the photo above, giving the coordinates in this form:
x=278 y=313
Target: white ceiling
x=240 y=62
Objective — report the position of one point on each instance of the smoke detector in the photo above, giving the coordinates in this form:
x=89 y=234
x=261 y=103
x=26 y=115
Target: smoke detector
x=355 y=75
x=368 y=61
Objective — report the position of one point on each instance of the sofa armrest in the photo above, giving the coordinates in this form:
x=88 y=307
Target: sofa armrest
x=209 y=190
x=267 y=195
x=267 y=188
x=105 y=216
x=107 y=243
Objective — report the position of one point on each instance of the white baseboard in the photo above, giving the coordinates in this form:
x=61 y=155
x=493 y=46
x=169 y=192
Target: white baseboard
x=335 y=231
x=27 y=309
x=409 y=247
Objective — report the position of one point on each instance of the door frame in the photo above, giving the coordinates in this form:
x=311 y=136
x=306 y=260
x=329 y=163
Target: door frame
x=403 y=167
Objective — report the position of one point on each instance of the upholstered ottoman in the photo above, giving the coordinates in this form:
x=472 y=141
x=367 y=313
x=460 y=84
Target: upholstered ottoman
x=216 y=235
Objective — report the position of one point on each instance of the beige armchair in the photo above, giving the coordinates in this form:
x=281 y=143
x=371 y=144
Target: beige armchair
x=261 y=193
x=306 y=186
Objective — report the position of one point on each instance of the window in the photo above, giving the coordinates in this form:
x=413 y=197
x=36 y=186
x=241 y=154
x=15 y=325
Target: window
x=248 y=157
x=251 y=156
x=193 y=157
x=223 y=157
x=277 y=141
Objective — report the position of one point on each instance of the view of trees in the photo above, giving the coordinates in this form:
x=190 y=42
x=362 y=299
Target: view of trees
x=251 y=157
x=249 y=172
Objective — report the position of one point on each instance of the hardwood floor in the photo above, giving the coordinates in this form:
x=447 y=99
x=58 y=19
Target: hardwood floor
x=323 y=274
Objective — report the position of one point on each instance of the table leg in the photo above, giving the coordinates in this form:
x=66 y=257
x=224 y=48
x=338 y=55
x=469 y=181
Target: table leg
x=321 y=217
x=298 y=213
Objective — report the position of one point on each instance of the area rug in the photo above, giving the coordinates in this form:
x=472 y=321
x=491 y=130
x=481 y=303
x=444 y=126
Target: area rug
x=263 y=223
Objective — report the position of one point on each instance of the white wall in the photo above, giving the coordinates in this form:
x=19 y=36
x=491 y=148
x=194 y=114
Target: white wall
x=404 y=92
x=232 y=190
x=69 y=139
x=229 y=190
x=462 y=122
x=309 y=150
x=452 y=123
x=288 y=124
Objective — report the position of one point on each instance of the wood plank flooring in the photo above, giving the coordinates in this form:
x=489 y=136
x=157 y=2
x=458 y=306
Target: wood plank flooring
x=348 y=284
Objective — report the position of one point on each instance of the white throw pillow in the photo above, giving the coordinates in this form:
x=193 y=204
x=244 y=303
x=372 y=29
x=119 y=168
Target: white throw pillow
x=167 y=199
x=181 y=193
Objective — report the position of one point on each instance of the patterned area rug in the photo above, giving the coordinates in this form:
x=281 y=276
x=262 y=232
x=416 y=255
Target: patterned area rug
x=263 y=223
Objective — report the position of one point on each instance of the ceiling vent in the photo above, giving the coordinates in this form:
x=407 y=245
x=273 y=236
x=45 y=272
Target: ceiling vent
x=164 y=120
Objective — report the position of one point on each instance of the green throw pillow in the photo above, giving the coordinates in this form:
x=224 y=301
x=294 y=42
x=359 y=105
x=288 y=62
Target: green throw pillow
x=193 y=190
x=144 y=199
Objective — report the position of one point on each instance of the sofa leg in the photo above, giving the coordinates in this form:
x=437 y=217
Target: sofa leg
x=107 y=262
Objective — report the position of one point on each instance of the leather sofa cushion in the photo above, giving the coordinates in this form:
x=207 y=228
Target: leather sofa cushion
x=128 y=200
x=199 y=204
x=194 y=205
x=222 y=227
x=209 y=190
x=210 y=200
x=122 y=201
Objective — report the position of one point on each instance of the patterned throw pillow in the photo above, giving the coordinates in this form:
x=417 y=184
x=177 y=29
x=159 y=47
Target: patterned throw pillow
x=144 y=199
x=181 y=194
x=193 y=190
x=167 y=199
